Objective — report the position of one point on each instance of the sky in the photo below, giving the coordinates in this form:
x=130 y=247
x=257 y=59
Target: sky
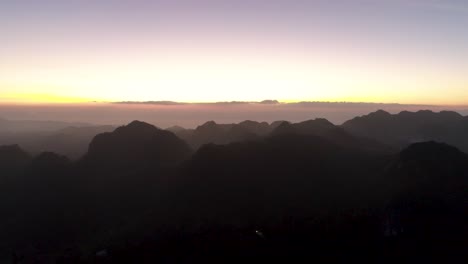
x=388 y=51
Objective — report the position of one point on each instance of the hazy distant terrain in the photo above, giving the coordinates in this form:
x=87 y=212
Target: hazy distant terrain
x=393 y=130
x=69 y=139
x=190 y=115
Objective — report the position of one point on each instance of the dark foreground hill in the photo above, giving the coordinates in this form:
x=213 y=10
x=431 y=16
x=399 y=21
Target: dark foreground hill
x=306 y=192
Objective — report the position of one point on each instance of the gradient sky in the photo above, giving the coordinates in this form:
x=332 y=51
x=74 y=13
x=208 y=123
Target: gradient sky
x=404 y=51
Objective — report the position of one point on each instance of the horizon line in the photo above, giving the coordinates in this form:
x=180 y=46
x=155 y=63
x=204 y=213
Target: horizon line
x=227 y=102
x=234 y=102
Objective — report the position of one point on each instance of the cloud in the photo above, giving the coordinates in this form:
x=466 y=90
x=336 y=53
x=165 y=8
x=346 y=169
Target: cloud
x=150 y=103
x=265 y=102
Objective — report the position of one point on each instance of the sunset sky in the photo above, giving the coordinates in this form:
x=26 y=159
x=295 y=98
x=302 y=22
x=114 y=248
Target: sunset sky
x=402 y=51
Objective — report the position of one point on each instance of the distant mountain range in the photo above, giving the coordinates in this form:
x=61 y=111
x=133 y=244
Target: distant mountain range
x=394 y=131
x=410 y=127
x=380 y=127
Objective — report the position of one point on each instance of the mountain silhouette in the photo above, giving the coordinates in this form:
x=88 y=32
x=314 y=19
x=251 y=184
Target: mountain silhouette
x=137 y=143
x=222 y=134
x=318 y=127
x=323 y=128
x=264 y=192
x=402 y=129
x=12 y=160
x=258 y=128
x=211 y=132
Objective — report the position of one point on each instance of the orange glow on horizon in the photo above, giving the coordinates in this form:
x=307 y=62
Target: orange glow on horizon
x=21 y=98
x=49 y=99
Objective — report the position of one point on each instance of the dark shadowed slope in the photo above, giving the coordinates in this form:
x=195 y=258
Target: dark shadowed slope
x=430 y=169
x=410 y=127
x=428 y=206
x=36 y=206
x=279 y=176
